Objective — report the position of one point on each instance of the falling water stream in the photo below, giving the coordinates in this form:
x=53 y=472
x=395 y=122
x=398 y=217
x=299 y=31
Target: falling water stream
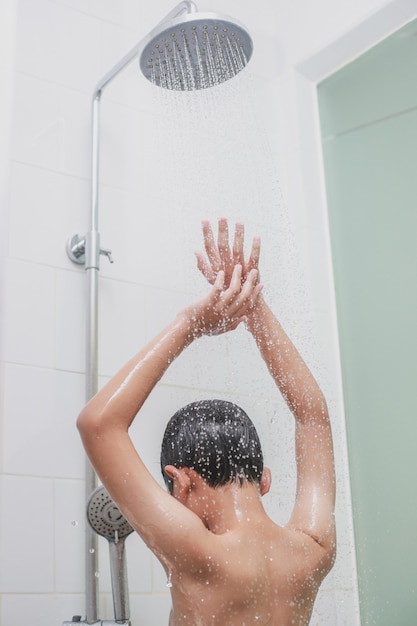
x=214 y=158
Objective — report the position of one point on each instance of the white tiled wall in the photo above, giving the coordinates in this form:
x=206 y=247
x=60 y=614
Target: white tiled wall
x=165 y=165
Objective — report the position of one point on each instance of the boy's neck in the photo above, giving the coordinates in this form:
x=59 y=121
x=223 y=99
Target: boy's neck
x=223 y=509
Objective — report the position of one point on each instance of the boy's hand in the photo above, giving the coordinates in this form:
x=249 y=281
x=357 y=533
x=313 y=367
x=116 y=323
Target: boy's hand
x=221 y=257
x=224 y=307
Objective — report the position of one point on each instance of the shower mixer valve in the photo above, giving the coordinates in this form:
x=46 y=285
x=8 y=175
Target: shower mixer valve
x=76 y=249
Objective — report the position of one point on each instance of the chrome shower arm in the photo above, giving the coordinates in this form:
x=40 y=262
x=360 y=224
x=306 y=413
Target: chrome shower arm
x=120 y=65
x=182 y=7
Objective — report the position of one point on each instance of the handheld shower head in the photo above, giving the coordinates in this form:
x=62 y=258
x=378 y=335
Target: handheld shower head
x=195 y=51
x=106 y=519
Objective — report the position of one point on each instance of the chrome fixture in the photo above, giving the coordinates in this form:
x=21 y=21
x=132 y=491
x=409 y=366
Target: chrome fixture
x=106 y=519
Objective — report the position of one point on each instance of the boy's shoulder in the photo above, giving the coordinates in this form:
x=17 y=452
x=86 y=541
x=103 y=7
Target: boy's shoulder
x=263 y=546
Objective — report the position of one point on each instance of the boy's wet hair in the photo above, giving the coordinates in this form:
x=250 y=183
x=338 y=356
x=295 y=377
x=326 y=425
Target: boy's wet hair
x=215 y=438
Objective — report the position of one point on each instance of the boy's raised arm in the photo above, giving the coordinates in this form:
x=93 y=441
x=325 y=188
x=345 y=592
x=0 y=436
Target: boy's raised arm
x=313 y=512
x=315 y=499
x=169 y=528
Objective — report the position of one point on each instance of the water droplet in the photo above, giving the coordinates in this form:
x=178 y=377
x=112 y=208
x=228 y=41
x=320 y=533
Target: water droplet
x=91 y=550
x=74 y=523
x=97 y=574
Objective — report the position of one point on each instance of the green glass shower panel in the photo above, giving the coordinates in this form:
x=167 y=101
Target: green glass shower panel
x=377 y=85
x=371 y=180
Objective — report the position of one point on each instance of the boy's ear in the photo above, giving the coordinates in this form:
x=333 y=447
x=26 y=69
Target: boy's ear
x=266 y=479
x=182 y=481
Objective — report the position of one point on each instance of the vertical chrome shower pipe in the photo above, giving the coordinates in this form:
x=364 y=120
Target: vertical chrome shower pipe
x=92 y=252
x=92 y=266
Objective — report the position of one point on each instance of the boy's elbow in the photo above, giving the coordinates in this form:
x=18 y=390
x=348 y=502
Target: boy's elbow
x=93 y=423
x=329 y=545
x=331 y=553
x=87 y=423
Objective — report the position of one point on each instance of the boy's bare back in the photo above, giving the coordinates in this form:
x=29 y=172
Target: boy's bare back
x=258 y=574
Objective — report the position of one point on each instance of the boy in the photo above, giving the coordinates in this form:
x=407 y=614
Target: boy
x=227 y=562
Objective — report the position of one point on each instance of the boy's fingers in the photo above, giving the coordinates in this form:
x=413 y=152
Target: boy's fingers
x=250 y=282
x=223 y=241
x=233 y=291
x=255 y=253
x=236 y=280
x=248 y=287
x=205 y=268
x=210 y=246
x=246 y=298
x=249 y=302
x=238 y=244
x=238 y=298
x=219 y=282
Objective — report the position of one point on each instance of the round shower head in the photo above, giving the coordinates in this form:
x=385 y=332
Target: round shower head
x=105 y=517
x=195 y=51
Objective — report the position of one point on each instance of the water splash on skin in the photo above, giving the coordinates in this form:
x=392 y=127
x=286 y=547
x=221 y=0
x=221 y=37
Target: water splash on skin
x=146 y=357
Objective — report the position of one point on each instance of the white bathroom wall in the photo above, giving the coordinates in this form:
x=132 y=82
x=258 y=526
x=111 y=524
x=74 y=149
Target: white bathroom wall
x=238 y=152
